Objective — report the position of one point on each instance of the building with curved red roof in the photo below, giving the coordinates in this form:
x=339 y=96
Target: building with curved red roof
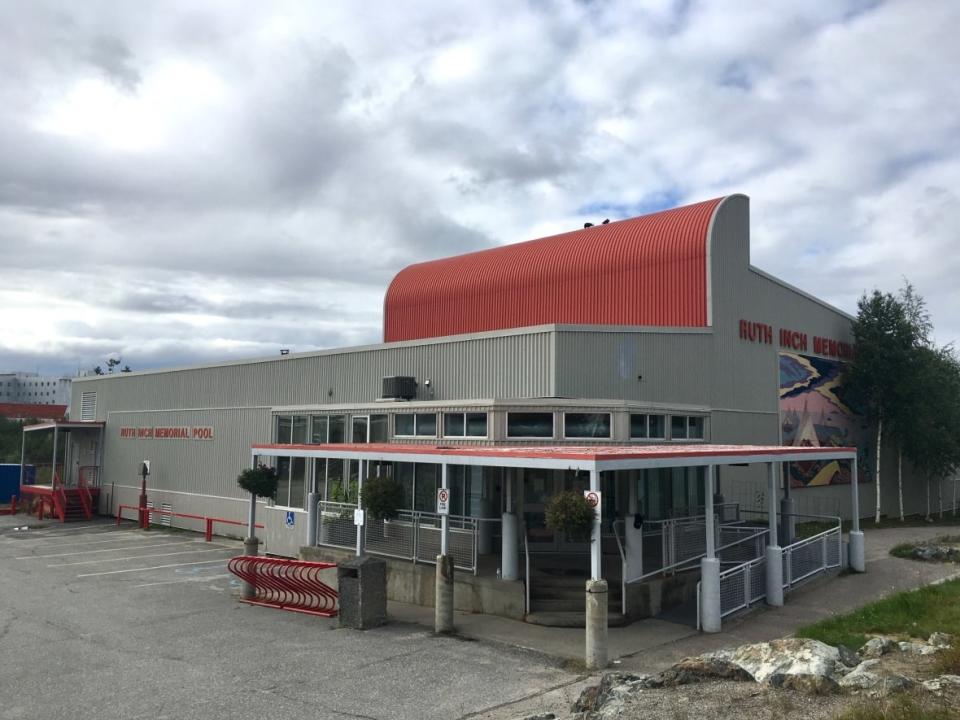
x=651 y=270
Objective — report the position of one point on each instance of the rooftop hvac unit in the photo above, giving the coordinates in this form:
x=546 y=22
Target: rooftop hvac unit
x=399 y=387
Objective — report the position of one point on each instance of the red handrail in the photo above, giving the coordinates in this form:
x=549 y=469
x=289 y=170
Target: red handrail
x=287 y=584
x=59 y=497
x=208 y=521
x=86 y=499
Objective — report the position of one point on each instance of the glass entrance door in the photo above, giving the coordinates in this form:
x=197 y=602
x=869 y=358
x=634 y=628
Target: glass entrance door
x=538 y=487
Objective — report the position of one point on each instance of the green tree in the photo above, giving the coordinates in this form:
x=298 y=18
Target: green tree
x=932 y=435
x=885 y=340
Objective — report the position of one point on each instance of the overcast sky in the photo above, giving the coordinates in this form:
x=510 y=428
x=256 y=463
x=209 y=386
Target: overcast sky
x=194 y=181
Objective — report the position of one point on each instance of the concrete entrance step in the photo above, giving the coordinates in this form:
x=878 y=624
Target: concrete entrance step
x=572 y=619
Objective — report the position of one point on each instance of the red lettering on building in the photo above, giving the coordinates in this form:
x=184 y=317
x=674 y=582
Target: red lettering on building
x=756 y=332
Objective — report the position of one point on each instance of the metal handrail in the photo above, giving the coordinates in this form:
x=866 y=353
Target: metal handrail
x=526 y=570
x=679 y=565
x=623 y=565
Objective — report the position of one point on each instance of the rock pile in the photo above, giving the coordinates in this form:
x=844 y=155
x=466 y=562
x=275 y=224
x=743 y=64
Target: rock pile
x=804 y=665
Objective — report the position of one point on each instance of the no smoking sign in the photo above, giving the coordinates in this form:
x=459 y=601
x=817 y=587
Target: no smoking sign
x=593 y=499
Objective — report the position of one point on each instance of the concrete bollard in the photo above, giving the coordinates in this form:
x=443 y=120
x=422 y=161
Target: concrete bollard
x=596 y=621
x=857 y=557
x=774 y=575
x=443 y=607
x=251 y=547
x=710 y=595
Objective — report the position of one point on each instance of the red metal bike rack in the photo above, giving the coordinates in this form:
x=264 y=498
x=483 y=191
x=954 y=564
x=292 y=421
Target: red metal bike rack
x=287 y=584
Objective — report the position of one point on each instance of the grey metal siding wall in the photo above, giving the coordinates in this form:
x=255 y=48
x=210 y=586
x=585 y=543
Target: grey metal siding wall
x=511 y=365
x=605 y=364
x=209 y=467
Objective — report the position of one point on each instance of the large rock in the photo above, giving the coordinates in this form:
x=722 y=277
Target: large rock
x=940 y=639
x=878 y=646
x=917 y=648
x=698 y=669
x=862 y=677
x=938 y=684
x=804 y=682
x=606 y=698
x=788 y=656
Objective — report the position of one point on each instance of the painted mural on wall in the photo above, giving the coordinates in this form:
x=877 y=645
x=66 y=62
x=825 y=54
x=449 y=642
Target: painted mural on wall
x=813 y=414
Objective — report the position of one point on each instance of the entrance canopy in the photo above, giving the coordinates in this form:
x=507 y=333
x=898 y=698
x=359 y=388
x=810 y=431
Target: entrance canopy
x=563 y=457
x=64 y=425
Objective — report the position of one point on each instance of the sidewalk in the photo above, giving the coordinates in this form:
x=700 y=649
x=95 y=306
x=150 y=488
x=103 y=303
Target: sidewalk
x=649 y=646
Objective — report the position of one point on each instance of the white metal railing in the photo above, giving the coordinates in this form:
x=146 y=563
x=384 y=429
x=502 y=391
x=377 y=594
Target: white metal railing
x=412 y=535
x=741 y=587
x=812 y=556
x=726 y=512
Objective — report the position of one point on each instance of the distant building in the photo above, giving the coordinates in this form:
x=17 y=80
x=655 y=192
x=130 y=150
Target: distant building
x=34 y=389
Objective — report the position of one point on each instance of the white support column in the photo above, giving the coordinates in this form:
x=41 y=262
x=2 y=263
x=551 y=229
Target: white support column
x=597 y=597
x=710 y=566
x=313 y=497
x=857 y=555
x=596 y=551
x=774 y=553
x=509 y=553
x=444 y=519
x=359 y=504
x=633 y=535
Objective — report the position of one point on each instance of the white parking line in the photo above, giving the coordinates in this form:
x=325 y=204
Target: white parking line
x=155 y=567
x=124 y=537
x=139 y=557
x=72 y=529
x=185 y=580
x=104 y=550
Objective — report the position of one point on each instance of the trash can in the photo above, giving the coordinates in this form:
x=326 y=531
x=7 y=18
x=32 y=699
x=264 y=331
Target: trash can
x=363 y=592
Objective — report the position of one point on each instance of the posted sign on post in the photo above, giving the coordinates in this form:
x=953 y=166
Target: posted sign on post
x=593 y=500
x=443 y=501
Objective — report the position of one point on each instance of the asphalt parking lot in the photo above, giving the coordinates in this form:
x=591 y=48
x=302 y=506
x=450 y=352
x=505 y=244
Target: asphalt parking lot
x=101 y=622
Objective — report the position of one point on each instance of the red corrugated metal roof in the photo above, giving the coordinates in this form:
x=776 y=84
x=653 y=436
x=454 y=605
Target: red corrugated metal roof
x=650 y=270
x=32 y=411
x=593 y=453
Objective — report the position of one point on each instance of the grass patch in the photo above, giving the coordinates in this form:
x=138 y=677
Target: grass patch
x=899 y=707
x=915 y=613
x=814 y=527
x=948 y=661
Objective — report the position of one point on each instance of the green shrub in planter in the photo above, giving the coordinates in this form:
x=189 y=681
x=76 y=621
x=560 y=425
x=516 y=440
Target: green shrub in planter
x=570 y=513
x=381 y=497
x=260 y=481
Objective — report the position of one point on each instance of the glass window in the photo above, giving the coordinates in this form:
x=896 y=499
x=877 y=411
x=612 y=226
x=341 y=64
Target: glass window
x=378 y=428
x=453 y=424
x=360 y=423
x=298 y=482
x=638 y=426
x=338 y=429
x=419 y=424
x=656 y=426
x=284 y=425
x=300 y=430
x=586 y=425
x=465 y=425
x=283 y=481
x=530 y=425
x=426 y=483
x=403 y=424
x=427 y=424
x=695 y=428
x=318 y=433
x=678 y=427
x=476 y=424
x=403 y=472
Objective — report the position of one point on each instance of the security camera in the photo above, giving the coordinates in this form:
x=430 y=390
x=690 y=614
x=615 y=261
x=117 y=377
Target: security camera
x=426 y=383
